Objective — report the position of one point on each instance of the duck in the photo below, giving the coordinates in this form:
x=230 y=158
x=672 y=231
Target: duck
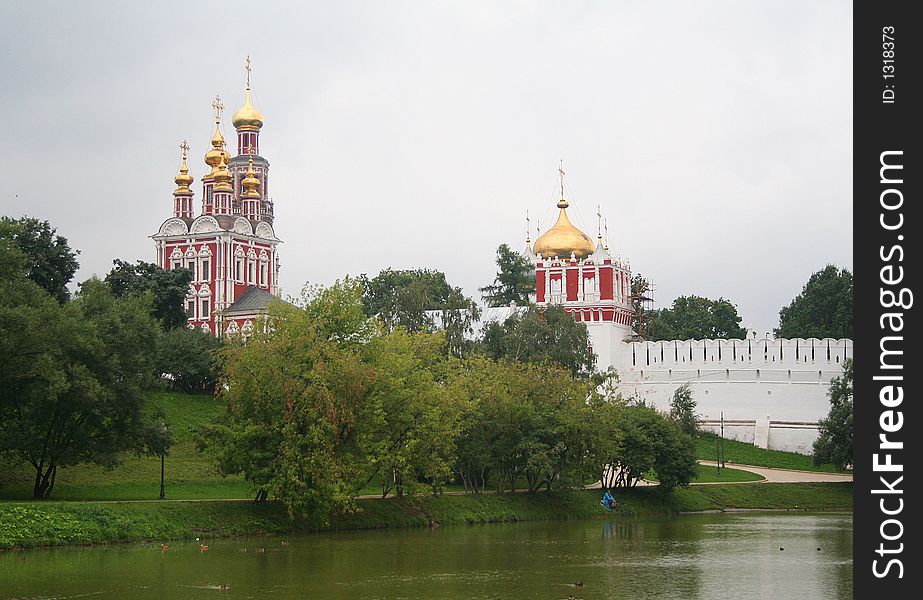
x=203 y=547
x=164 y=547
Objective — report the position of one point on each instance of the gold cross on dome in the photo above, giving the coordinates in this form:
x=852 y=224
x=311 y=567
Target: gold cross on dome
x=185 y=148
x=218 y=106
x=247 y=67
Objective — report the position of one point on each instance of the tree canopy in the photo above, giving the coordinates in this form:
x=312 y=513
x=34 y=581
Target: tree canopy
x=514 y=282
x=412 y=300
x=696 y=318
x=168 y=288
x=74 y=379
x=823 y=309
x=402 y=298
x=834 y=444
x=49 y=260
x=549 y=334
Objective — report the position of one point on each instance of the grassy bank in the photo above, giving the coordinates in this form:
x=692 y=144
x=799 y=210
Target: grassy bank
x=62 y=523
x=748 y=454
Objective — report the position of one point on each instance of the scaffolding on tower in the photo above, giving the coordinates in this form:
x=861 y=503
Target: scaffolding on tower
x=642 y=308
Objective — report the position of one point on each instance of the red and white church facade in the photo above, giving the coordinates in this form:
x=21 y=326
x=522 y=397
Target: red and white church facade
x=230 y=246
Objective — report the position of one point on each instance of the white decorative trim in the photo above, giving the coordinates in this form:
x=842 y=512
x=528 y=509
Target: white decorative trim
x=264 y=230
x=173 y=226
x=242 y=226
x=204 y=224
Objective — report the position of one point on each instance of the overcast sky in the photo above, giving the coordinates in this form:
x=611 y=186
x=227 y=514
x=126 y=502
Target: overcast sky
x=716 y=136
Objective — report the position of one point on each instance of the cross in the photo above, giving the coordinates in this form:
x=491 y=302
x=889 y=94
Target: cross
x=528 y=225
x=247 y=67
x=599 y=215
x=218 y=106
x=561 y=171
x=185 y=148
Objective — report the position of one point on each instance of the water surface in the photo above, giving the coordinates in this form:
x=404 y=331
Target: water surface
x=685 y=557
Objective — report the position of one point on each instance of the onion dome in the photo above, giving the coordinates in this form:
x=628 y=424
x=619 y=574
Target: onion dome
x=218 y=152
x=247 y=118
x=563 y=238
x=183 y=179
x=222 y=177
x=250 y=183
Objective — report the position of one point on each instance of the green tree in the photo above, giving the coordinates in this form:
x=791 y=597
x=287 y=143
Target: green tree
x=514 y=282
x=834 y=444
x=295 y=392
x=695 y=318
x=682 y=410
x=188 y=357
x=408 y=422
x=537 y=335
x=823 y=309
x=402 y=298
x=521 y=420
x=50 y=261
x=459 y=316
x=168 y=288
x=78 y=398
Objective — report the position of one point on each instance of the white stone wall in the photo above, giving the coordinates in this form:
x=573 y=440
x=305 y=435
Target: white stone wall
x=784 y=381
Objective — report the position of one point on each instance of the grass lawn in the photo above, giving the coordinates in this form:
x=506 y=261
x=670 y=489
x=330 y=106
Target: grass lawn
x=748 y=454
x=189 y=474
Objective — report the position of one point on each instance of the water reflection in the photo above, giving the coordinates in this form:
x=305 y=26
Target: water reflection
x=695 y=556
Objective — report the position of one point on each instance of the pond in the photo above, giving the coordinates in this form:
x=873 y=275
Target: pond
x=731 y=555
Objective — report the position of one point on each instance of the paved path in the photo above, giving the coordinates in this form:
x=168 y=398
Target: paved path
x=784 y=475
x=769 y=475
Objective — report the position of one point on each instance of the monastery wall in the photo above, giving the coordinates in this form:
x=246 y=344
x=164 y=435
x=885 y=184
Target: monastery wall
x=772 y=391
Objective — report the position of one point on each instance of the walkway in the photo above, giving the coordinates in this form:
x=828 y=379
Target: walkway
x=785 y=475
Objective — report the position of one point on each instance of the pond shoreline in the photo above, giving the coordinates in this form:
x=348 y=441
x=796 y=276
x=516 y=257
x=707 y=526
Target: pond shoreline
x=48 y=524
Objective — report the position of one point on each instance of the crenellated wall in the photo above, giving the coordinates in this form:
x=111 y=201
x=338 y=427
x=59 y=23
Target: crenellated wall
x=782 y=383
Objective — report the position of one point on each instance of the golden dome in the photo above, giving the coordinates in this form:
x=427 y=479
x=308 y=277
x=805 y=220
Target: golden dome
x=222 y=177
x=218 y=152
x=247 y=118
x=563 y=239
x=250 y=183
x=183 y=179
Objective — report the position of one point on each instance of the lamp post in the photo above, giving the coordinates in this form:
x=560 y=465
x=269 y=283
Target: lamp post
x=163 y=451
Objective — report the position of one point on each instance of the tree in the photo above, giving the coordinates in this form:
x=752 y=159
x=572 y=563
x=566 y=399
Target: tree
x=696 y=318
x=521 y=420
x=823 y=309
x=536 y=335
x=459 y=315
x=168 y=288
x=188 y=357
x=294 y=397
x=834 y=444
x=408 y=422
x=50 y=261
x=514 y=282
x=78 y=397
x=682 y=410
x=402 y=298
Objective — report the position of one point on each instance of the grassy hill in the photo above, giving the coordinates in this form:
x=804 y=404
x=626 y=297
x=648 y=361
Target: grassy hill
x=189 y=474
x=748 y=454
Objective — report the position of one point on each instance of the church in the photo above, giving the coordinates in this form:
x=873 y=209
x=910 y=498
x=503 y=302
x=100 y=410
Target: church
x=229 y=244
x=771 y=392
